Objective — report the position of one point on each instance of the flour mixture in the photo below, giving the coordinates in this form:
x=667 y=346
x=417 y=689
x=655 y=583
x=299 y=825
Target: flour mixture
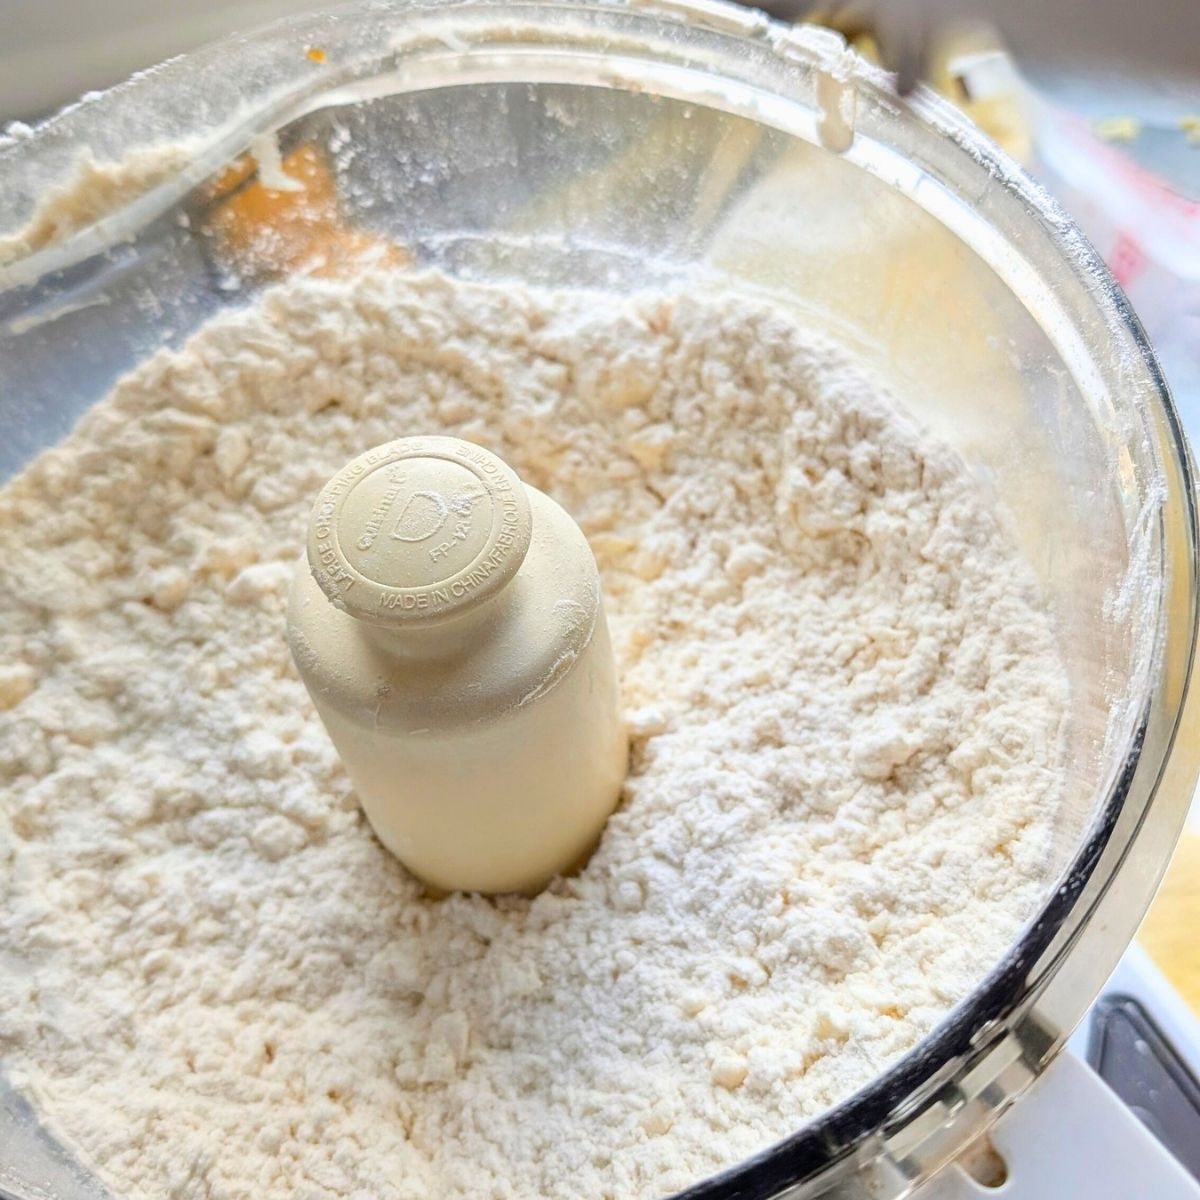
x=847 y=711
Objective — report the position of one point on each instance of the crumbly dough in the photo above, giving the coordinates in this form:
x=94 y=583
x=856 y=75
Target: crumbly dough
x=847 y=710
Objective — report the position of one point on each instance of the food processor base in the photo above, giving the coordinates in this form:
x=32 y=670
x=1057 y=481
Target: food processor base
x=1128 y=1091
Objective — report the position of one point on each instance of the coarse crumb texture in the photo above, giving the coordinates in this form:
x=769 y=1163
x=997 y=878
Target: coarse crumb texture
x=846 y=707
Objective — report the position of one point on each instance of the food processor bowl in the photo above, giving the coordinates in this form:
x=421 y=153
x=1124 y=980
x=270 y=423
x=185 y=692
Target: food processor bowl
x=691 y=145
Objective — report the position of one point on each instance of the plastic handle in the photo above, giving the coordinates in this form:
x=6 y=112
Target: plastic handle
x=1067 y=1136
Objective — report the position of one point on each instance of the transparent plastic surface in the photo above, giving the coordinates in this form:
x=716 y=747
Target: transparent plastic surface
x=698 y=145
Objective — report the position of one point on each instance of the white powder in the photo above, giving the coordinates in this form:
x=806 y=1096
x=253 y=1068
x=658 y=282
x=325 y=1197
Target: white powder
x=846 y=706
x=93 y=191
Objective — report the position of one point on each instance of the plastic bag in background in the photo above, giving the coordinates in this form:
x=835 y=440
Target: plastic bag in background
x=1147 y=232
x=1144 y=223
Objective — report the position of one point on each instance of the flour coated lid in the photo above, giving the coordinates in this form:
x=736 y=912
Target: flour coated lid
x=418 y=530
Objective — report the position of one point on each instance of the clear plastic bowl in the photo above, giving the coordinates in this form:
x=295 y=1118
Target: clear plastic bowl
x=696 y=144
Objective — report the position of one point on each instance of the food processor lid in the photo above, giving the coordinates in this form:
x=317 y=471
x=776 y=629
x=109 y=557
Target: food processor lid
x=917 y=1112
